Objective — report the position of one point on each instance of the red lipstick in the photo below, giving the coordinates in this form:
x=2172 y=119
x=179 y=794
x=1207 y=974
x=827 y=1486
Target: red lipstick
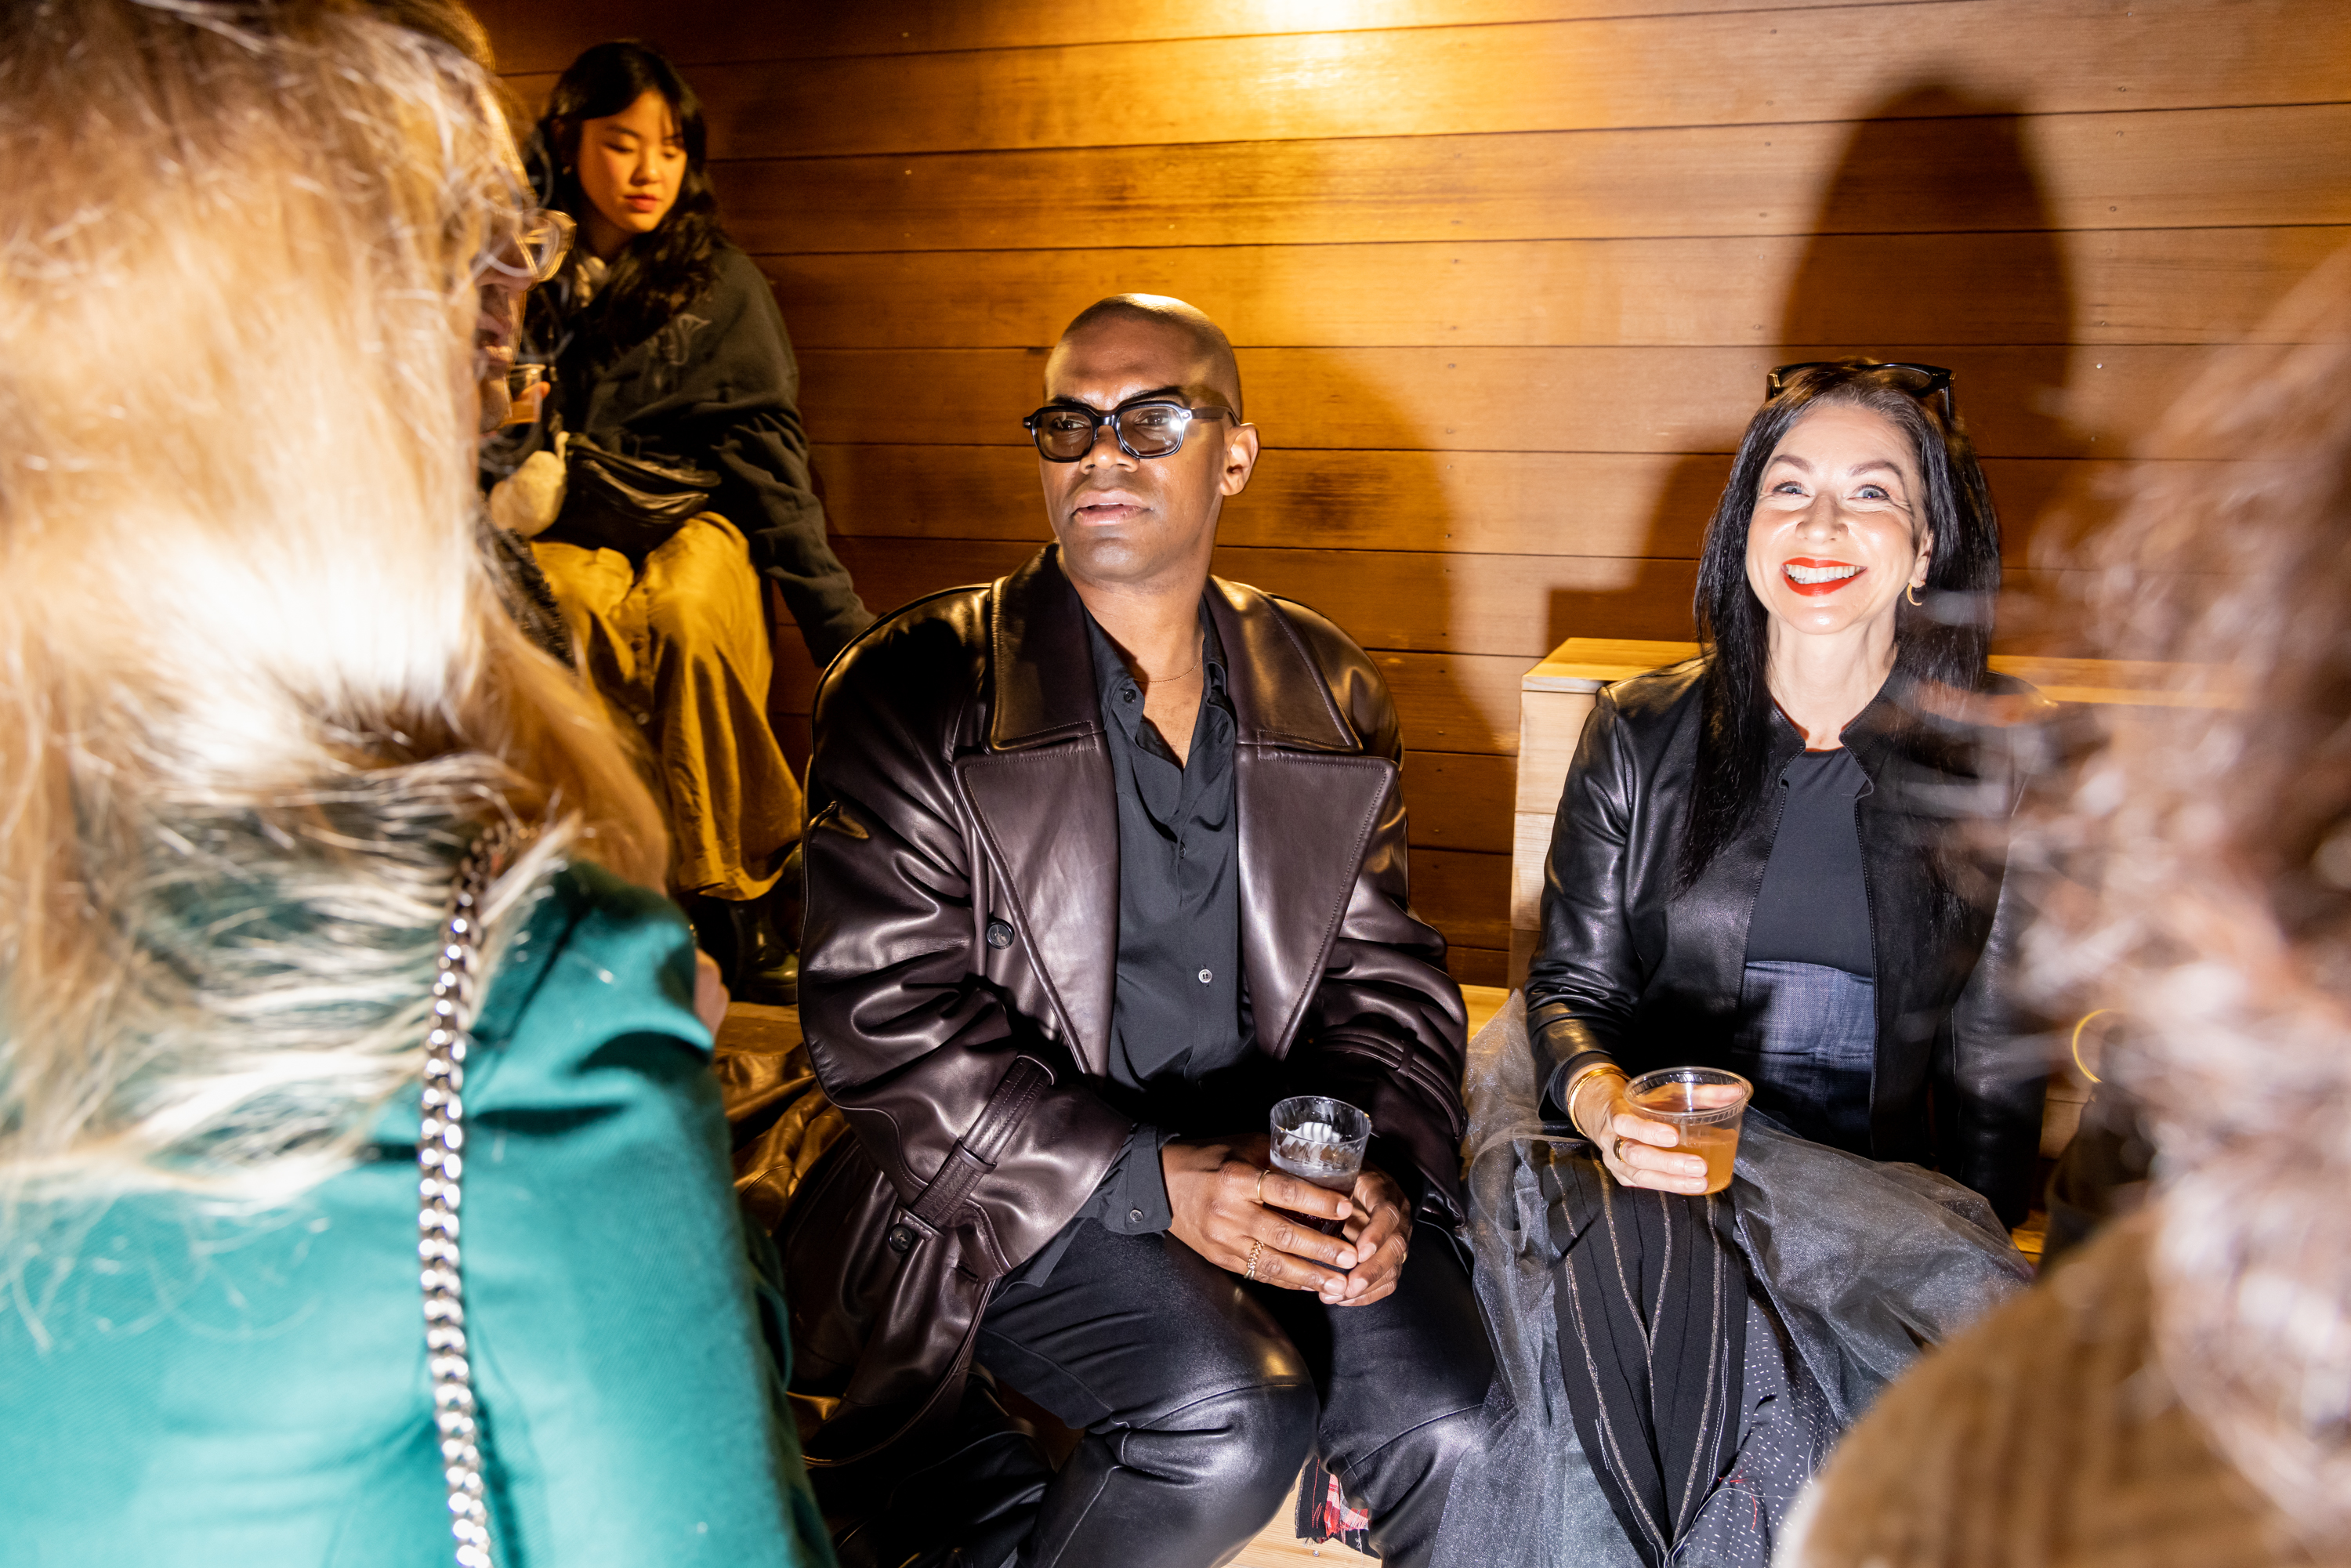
x=1845 y=573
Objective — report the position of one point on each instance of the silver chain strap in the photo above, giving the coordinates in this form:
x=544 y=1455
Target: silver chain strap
x=440 y=1161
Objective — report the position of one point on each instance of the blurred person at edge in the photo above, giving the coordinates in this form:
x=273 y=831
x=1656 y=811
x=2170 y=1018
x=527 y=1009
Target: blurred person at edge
x=508 y=276
x=262 y=702
x=2179 y=1391
x=1785 y=857
x=666 y=346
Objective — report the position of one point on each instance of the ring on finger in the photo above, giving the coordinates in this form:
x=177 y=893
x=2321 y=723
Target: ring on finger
x=1260 y=1183
x=1255 y=1248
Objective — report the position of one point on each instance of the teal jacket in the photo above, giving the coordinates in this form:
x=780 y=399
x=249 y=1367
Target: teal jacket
x=180 y=1385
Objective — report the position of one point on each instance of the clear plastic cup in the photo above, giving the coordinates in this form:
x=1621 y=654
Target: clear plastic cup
x=1704 y=1105
x=1320 y=1141
x=527 y=387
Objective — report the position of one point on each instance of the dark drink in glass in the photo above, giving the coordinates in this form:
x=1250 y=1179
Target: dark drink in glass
x=1320 y=1141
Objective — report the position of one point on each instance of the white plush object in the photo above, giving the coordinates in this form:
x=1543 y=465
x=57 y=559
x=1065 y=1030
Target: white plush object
x=528 y=500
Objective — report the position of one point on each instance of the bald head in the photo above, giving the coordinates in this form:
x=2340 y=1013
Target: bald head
x=1124 y=520
x=1213 y=367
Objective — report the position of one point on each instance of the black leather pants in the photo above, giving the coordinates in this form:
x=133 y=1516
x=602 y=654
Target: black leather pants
x=1201 y=1396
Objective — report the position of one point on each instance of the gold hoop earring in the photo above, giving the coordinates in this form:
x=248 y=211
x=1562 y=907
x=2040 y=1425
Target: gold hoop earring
x=1911 y=594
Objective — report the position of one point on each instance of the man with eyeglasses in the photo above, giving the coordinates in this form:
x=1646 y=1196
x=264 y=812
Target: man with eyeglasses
x=1105 y=859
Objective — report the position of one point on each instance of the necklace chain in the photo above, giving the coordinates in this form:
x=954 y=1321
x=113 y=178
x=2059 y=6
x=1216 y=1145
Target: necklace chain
x=1200 y=658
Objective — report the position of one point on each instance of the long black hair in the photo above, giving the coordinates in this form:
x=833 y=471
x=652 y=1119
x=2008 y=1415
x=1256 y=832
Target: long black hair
x=659 y=273
x=1945 y=639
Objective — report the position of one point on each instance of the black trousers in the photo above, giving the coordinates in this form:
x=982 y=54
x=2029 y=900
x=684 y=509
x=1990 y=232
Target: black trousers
x=1200 y=1397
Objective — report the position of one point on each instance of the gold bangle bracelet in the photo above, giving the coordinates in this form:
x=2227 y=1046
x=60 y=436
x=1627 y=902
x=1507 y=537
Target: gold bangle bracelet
x=1576 y=1085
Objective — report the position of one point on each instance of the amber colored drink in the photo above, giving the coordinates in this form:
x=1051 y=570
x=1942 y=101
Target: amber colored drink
x=526 y=388
x=1705 y=1113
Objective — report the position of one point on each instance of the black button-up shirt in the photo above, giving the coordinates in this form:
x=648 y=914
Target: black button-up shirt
x=1176 y=1014
x=1177 y=1007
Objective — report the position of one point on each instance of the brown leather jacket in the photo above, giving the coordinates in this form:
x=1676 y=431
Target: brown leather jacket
x=960 y=951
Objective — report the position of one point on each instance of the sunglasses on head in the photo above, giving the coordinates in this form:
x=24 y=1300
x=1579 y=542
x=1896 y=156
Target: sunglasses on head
x=1921 y=382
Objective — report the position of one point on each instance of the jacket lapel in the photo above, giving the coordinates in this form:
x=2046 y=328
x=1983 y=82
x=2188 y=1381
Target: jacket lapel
x=1041 y=794
x=1308 y=800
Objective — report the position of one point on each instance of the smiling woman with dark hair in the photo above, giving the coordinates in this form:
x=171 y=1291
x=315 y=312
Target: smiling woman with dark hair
x=1761 y=861
x=2178 y=1391
x=1784 y=861
x=668 y=476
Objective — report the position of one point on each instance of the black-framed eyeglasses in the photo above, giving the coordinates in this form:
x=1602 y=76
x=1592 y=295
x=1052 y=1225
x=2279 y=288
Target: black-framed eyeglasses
x=1148 y=427
x=1921 y=382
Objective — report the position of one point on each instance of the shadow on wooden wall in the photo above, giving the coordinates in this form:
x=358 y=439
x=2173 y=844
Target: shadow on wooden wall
x=1279 y=535
x=1934 y=241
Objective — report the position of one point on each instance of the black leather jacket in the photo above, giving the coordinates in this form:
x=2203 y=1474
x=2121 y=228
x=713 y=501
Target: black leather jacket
x=961 y=949
x=1654 y=979
x=716 y=387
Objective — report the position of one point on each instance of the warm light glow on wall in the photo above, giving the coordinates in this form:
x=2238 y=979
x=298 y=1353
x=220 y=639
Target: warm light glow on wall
x=1311 y=15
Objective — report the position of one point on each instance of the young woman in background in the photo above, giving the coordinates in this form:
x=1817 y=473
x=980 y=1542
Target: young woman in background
x=668 y=348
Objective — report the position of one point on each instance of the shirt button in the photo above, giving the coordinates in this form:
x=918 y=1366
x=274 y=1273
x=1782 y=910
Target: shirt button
x=999 y=934
x=1135 y=1217
x=1205 y=976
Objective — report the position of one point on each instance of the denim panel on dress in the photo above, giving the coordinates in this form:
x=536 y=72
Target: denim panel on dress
x=1810 y=1047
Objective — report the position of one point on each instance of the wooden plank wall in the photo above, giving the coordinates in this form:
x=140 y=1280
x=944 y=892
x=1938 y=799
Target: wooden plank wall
x=1505 y=275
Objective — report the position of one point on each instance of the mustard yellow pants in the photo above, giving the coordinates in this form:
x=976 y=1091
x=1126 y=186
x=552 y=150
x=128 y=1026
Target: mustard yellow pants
x=679 y=646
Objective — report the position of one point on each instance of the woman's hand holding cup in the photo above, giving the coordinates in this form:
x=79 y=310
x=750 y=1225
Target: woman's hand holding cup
x=1637 y=1150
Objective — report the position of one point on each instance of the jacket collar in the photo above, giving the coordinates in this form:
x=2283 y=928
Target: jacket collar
x=1279 y=694
x=1307 y=798
x=1870 y=735
x=1044 y=675
x=1042 y=669
x=1897 y=722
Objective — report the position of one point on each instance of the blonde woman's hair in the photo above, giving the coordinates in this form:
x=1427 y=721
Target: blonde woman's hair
x=2209 y=862
x=257 y=692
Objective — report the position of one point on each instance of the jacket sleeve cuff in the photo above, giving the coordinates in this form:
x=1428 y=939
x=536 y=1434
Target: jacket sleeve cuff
x=1555 y=1095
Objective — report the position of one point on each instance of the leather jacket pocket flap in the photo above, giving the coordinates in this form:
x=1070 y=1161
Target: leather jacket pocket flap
x=974 y=1153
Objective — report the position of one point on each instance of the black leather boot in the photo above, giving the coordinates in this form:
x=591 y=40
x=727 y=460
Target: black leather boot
x=713 y=920
x=766 y=968
x=765 y=971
